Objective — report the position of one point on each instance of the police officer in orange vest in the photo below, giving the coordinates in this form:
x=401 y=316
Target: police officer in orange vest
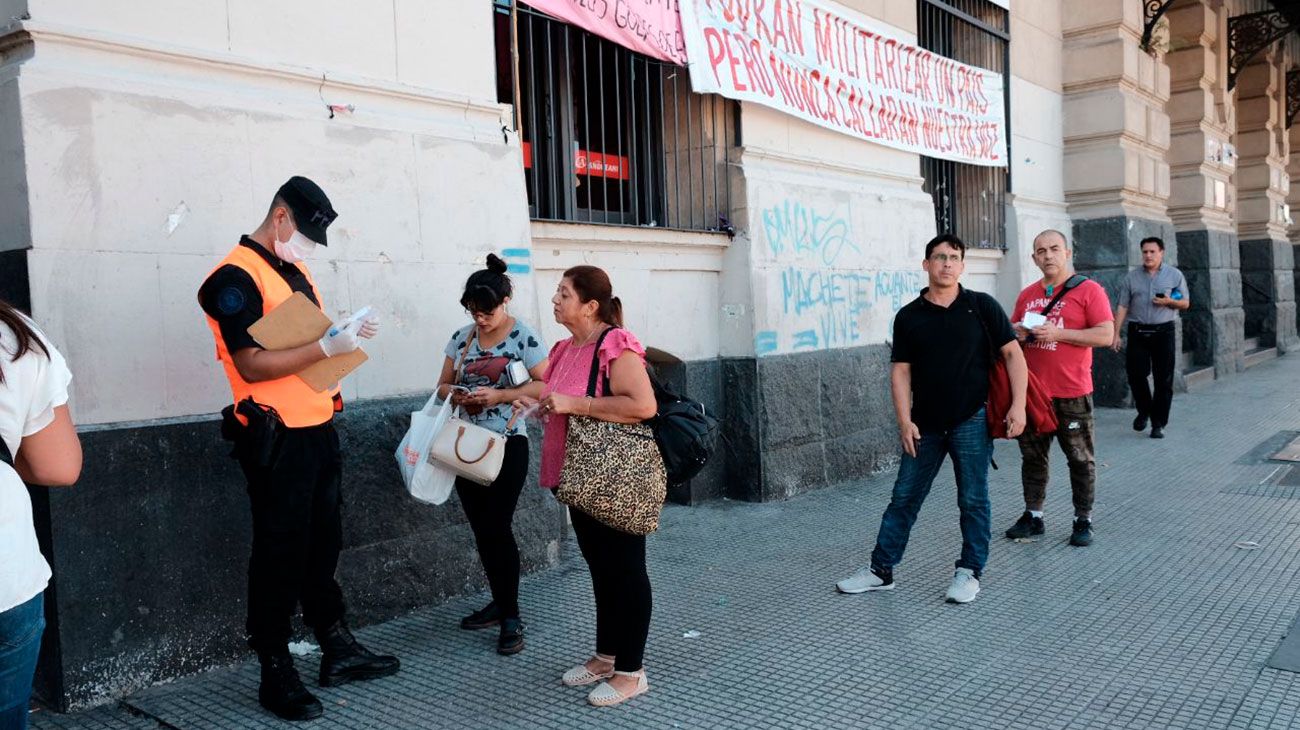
x=285 y=441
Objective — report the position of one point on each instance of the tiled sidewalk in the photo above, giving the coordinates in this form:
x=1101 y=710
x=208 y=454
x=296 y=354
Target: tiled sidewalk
x=1164 y=622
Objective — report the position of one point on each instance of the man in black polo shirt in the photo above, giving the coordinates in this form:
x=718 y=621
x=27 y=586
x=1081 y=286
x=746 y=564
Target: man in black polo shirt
x=943 y=349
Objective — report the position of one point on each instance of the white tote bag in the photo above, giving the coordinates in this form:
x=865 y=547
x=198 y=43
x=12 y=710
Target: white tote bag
x=426 y=480
x=469 y=450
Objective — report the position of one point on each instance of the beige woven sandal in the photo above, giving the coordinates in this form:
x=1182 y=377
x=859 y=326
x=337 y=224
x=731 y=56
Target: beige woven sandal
x=581 y=676
x=606 y=696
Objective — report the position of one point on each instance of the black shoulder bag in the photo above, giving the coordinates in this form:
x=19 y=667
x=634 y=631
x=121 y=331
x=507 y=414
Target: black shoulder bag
x=684 y=431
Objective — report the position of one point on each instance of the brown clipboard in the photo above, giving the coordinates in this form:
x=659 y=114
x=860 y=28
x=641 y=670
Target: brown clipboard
x=297 y=322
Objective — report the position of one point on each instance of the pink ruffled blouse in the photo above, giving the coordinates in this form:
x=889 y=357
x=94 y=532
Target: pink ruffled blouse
x=567 y=374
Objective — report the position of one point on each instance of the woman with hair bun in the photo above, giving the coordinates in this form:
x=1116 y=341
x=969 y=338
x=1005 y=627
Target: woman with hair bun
x=480 y=373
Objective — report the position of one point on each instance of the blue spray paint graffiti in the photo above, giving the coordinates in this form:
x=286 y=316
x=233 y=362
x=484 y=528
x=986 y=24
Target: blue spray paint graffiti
x=516 y=260
x=793 y=229
x=828 y=295
x=838 y=299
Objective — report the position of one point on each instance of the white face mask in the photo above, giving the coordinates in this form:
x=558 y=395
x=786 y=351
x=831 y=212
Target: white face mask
x=297 y=248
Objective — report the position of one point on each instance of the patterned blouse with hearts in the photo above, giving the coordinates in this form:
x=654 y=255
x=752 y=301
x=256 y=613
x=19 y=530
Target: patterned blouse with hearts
x=487 y=368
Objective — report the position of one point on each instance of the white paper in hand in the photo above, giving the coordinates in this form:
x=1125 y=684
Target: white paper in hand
x=1033 y=319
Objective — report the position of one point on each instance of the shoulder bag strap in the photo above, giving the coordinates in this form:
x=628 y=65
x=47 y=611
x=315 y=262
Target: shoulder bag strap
x=988 y=336
x=595 y=366
x=464 y=353
x=1069 y=284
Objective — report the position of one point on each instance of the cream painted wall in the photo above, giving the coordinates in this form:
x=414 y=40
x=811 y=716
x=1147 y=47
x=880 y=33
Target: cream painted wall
x=146 y=161
x=1037 y=147
x=424 y=43
x=832 y=230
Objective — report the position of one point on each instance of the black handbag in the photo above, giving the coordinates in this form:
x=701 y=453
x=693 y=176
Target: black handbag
x=686 y=434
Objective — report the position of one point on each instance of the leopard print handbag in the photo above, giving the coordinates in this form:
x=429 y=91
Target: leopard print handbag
x=613 y=471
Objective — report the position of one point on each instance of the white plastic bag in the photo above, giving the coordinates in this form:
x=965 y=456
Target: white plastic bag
x=425 y=479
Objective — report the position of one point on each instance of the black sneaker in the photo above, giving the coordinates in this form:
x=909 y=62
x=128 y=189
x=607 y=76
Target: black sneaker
x=484 y=618
x=1082 y=534
x=1025 y=526
x=1157 y=432
x=511 y=640
x=1140 y=423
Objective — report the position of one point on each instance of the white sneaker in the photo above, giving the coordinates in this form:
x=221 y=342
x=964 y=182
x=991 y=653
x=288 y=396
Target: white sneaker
x=965 y=586
x=864 y=580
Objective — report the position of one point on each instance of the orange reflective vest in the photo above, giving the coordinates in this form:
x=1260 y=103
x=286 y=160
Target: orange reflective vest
x=298 y=405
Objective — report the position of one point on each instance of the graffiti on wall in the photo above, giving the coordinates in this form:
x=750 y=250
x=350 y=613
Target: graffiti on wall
x=820 y=290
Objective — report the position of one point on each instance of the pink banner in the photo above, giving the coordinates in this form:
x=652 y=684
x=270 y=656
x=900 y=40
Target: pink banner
x=652 y=27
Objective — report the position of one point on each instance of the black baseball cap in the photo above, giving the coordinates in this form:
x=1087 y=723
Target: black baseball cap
x=312 y=212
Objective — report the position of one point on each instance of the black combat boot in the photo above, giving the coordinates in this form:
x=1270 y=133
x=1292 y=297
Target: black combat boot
x=344 y=660
x=282 y=692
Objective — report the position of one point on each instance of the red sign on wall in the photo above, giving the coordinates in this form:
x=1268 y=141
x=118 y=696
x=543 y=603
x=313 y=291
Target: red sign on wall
x=591 y=164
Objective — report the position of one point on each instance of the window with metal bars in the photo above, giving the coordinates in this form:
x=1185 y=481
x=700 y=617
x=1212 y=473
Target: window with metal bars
x=969 y=200
x=608 y=135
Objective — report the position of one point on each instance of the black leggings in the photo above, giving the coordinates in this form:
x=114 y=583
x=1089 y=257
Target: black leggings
x=622 y=588
x=491 y=510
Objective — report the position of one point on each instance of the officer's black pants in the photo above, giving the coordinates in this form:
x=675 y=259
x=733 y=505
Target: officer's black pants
x=297 y=532
x=491 y=510
x=1151 y=351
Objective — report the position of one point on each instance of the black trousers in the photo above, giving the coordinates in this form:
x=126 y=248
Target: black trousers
x=1151 y=351
x=297 y=534
x=622 y=588
x=490 y=511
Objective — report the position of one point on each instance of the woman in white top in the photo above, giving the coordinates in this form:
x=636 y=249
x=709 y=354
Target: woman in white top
x=39 y=445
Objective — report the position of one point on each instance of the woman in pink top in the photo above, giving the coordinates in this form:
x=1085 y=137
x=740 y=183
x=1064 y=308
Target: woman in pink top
x=585 y=305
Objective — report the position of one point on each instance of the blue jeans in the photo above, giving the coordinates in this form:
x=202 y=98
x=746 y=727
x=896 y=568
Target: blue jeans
x=971 y=448
x=20 y=644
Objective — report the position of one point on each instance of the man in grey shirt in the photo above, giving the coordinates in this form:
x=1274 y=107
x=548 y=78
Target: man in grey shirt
x=1150 y=298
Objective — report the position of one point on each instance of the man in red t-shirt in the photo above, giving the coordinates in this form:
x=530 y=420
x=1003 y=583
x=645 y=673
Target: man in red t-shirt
x=1058 y=348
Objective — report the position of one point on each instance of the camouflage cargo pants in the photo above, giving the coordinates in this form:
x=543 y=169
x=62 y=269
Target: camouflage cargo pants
x=1075 y=434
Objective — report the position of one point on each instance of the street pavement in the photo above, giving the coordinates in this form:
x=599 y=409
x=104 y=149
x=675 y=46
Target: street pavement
x=1167 y=621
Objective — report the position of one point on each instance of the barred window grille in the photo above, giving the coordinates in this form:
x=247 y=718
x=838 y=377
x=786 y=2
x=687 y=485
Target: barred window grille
x=969 y=200
x=611 y=136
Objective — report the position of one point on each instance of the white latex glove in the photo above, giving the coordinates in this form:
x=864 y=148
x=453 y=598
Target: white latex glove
x=369 y=328
x=344 y=340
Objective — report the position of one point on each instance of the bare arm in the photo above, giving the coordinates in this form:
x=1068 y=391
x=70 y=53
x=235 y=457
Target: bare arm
x=256 y=365
x=631 y=398
x=51 y=456
x=1018 y=374
x=1100 y=335
x=900 y=385
x=1017 y=371
x=1121 y=312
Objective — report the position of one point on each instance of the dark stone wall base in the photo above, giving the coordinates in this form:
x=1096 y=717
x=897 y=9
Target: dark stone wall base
x=1268 y=292
x=700 y=380
x=14 y=287
x=1106 y=249
x=1213 y=327
x=803 y=421
x=150 y=549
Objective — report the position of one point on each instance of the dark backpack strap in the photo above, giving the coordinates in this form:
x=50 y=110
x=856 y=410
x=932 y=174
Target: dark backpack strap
x=988 y=336
x=1069 y=284
x=595 y=366
x=5 y=456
